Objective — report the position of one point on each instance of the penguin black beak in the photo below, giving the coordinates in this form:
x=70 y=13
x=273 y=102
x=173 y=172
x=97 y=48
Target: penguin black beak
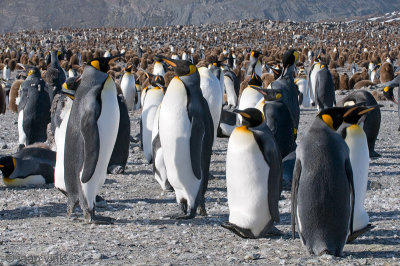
x=259 y=89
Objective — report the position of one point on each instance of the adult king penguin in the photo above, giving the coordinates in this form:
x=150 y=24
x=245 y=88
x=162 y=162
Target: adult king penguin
x=128 y=87
x=33 y=109
x=286 y=83
x=253 y=177
x=324 y=88
x=323 y=188
x=255 y=64
x=55 y=75
x=355 y=138
x=91 y=134
x=388 y=92
x=186 y=137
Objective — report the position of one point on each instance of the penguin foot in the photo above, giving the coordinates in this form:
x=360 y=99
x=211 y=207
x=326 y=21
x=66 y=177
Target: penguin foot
x=20 y=147
x=356 y=234
x=273 y=232
x=374 y=154
x=100 y=202
x=202 y=211
x=179 y=216
x=398 y=129
x=243 y=233
x=115 y=169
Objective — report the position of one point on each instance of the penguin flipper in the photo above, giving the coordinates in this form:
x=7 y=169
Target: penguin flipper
x=90 y=133
x=197 y=135
x=24 y=168
x=295 y=187
x=349 y=173
x=23 y=98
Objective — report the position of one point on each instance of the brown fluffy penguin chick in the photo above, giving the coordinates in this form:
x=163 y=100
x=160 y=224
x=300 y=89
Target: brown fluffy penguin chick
x=12 y=105
x=386 y=72
x=336 y=79
x=363 y=75
x=363 y=83
x=344 y=82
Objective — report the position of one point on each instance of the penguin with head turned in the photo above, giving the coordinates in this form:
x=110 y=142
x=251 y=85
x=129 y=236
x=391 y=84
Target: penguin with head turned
x=286 y=83
x=33 y=108
x=90 y=137
x=255 y=64
x=253 y=177
x=278 y=120
x=372 y=122
x=33 y=165
x=186 y=137
x=355 y=138
x=323 y=187
x=128 y=87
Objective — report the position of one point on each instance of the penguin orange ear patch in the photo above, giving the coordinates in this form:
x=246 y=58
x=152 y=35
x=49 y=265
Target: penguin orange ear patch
x=1 y=166
x=95 y=64
x=386 y=89
x=296 y=56
x=14 y=162
x=169 y=62
x=278 y=96
x=244 y=114
x=193 y=69
x=366 y=111
x=328 y=120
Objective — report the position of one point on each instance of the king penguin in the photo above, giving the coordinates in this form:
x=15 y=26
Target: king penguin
x=186 y=137
x=232 y=87
x=372 y=122
x=324 y=88
x=322 y=186
x=210 y=87
x=312 y=75
x=286 y=83
x=63 y=110
x=152 y=97
x=159 y=69
x=355 y=138
x=388 y=92
x=90 y=138
x=55 y=75
x=33 y=109
x=253 y=177
x=128 y=87
x=255 y=64
x=30 y=166
x=250 y=96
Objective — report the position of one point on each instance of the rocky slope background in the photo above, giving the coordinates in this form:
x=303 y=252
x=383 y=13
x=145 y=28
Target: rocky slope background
x=46 y=14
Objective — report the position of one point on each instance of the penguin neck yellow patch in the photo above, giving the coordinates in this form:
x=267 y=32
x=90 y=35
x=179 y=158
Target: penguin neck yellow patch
x=31 y=72
x=243 y=129
x=95 y=64
x=14 y=162
x=8 y=181
x=296 y=56
x=193 y=69
x=328 y=120
x=65 y=86
x=278 y=96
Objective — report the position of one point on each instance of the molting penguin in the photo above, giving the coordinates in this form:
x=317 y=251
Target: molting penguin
x=356 y=140
x=186 y=136
x=253 y=177
x=90 y=138
x=33 y=109
x=322 y=186
x=286 y=83
x=152 y=97
x=210 y=87
x=128 y=87
x=372 y=122
x=232 y=87
x=30 y=166
x=120 y=153
x=324 y=88
x=62 y=111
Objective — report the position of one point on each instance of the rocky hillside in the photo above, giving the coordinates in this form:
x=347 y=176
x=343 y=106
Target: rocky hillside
x=46 y=14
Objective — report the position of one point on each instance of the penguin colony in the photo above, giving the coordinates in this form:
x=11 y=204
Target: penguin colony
x=78 y=100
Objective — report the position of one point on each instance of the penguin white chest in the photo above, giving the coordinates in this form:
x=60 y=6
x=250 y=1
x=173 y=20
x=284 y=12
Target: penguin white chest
x=356 y=140
x=21 y=132
x=230 y=91
x=249 y=98
x=175 y=132
x=247 y=182
x=107 y=123
x=128 y=88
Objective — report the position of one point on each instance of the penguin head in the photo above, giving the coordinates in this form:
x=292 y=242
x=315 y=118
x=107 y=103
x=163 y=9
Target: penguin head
x=7 y=165
x=157 y=81
x=101 y=63
x=252 y=117
x=255 y=79
x=255 y=54
x=181 y=67
x=129 y=68
x=269 y=94
x=70 y=86
x=290 y=57
x=356 y=114
x=388 y=93
x=332 y=116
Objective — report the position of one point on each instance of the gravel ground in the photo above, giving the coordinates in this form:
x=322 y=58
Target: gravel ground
x=34 y=229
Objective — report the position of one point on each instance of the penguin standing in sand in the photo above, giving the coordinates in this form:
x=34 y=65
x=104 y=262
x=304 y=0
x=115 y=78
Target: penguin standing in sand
x=186 y=137
x=33 y=109
x=323 y=188
x=253 y=177
x=91 y=134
